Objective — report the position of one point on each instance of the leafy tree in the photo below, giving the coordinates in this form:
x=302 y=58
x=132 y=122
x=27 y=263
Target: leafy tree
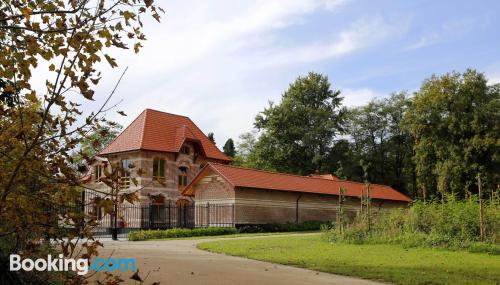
x=455 y=123
x=377 y=138
x=99 y=137
x=228 y=148
x=211 y=137
x=40 y=129
x=297 y=133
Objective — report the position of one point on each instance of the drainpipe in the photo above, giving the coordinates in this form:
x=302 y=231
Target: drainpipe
x=297 y=209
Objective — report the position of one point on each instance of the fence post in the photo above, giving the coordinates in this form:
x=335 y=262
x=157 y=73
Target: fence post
x=169 y=216
x=208 y=214
x=115 y=223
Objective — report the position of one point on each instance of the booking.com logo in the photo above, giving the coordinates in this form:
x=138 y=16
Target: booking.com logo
x=81 y=265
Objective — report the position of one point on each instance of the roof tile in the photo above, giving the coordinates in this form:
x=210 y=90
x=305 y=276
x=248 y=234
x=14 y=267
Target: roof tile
x=160 y=131
x=252 y=178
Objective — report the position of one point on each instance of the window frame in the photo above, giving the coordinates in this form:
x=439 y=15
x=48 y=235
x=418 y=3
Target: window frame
x=182 y=177
x=98 y=172
x=158 y=168
x=125 y=173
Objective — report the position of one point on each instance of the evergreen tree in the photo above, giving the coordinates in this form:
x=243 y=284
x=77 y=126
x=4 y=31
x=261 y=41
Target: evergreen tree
x=211 y=137
x=228 y=148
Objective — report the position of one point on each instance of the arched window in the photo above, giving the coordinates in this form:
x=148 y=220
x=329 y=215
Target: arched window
x=182 y=177
x=158 y=169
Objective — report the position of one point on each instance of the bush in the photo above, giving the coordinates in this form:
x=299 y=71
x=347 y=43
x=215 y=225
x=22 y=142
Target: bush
x=453 y=224
x=179 y=233
x=288 y=227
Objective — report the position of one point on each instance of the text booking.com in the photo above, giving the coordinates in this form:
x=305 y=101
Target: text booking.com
x=81 y=266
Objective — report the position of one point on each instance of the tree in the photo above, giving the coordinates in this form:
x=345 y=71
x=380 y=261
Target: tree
x=96 y=140
x=376 y=137
x=297 y=134
x=211 y=137
x=228 y=148
x=455 y=123
x=40 y=127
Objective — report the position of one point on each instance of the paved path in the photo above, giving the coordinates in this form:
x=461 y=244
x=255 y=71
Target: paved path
x=180 y=262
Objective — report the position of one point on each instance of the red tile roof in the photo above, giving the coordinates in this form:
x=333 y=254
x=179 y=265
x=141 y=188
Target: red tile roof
x=252 y=178
x=160 y=131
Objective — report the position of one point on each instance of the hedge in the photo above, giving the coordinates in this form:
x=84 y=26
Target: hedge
x=179 y=233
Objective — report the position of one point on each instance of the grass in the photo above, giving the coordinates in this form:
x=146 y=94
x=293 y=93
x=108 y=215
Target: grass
x=386 y=262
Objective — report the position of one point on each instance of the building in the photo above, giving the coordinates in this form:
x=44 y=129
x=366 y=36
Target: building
x=169 y=149
x=262 y=197
x=181 y=167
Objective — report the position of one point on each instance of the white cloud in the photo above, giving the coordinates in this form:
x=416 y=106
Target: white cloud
x=358 y=97
x=424 y=41
x=220 y=62
x=493 y=78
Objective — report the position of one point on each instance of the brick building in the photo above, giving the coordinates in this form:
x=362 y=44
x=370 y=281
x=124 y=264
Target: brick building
x=169 y=149
x=261 y=197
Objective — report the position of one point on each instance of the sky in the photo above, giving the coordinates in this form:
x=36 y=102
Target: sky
x=221 y=62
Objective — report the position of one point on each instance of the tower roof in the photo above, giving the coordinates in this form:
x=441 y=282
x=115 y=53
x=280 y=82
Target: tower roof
x=159 y=131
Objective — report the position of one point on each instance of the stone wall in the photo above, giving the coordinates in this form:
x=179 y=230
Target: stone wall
x=259 y=206
x=142 y=159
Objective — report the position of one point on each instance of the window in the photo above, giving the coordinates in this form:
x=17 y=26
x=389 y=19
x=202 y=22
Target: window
x=183 y=177
x=125 y=165
x=158 y=169
x=98 y=172
x=125 y=173
x=185 y=150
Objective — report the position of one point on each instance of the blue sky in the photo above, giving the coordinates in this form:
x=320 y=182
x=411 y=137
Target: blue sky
x=220 y=62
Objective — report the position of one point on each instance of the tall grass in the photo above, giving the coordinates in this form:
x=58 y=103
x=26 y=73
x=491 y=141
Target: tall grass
x=452 y=224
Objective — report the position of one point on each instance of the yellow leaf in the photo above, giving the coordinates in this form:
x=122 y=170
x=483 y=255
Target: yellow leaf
x=111 y=61
x=26 y=12
x=52 y=67
x=32 y=97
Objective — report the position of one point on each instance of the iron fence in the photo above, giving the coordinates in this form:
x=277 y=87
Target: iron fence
x=164 y=216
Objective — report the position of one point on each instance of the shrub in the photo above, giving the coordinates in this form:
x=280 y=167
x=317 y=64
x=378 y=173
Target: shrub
x=288 y=227
x=453 y=224
x=179 y=233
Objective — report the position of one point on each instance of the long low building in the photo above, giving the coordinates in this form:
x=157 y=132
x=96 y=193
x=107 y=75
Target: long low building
x=262 y=197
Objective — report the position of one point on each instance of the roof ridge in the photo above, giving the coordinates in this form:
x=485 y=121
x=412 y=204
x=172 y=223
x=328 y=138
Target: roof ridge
x=297 y=175
x=172 y=114
x=123 y=131
x=143 y=126
x=272 y=172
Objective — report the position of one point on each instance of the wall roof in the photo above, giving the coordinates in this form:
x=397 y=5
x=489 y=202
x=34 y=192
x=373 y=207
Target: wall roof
x=259 y=179
x=160 y=131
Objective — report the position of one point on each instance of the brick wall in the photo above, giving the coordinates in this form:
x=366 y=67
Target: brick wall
x=257 y=206
x=144 y=160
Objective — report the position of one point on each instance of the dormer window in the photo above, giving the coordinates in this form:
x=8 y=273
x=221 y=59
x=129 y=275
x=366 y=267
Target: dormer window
x=185 y=150
x=158 y=169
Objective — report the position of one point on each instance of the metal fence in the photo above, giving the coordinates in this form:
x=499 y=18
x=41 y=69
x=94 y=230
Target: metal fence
x=164 y=216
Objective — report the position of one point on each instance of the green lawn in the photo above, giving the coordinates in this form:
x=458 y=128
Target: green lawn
x=389 y=263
